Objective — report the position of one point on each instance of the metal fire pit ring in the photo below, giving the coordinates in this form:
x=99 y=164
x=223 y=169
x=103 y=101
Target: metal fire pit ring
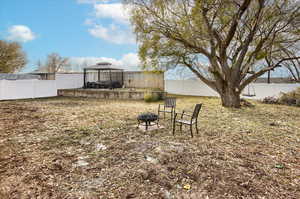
x=147 y=119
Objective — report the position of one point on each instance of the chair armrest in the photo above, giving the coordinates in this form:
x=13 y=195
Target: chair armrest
x=181 y=114
x=187 y=114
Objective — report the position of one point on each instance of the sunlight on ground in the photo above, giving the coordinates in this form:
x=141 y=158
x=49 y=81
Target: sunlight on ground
x=78 y=147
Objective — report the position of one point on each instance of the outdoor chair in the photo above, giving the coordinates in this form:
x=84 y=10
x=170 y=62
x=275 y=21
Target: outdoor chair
x=168 y=106
x=187 y=118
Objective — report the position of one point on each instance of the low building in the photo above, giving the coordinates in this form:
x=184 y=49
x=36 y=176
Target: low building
x=10 y=76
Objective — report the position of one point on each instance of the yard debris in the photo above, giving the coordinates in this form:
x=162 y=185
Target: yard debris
x=81 y=162
x=187 y=187
x=279 y=166
x=100 y=147
x=151 y=159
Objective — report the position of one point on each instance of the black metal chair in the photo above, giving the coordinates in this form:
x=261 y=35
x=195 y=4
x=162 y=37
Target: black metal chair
x=192 y=119
x=168 y=107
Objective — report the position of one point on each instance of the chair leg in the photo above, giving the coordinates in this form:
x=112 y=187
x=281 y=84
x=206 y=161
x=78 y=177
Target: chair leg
x=191 y=127
x=181 y=127
x=174 y=127
x=197 y=127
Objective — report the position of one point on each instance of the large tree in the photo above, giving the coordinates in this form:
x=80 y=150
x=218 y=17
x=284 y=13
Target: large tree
x=12 y=58
x=54 y=63
x=224 y=42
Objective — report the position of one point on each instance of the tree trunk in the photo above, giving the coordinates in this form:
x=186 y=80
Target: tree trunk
x=230 y=98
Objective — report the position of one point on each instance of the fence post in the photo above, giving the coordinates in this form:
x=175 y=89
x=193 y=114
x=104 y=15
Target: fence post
x=1 y=88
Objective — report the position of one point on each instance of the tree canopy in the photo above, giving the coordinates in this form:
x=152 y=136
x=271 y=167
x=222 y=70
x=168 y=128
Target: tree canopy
x=226 y=43
x=12 y=58
x=54 y=63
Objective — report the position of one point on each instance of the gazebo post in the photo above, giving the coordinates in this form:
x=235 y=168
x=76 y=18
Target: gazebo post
x=122 y=78
x=98 y=75
x=84 y=78
x=110 y=77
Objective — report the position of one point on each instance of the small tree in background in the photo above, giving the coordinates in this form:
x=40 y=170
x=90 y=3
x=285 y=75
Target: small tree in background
x=234 y=37
x=54 y=63
x=12 y=58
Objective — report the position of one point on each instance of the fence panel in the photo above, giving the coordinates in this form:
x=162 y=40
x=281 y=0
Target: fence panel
x=189 y=87
x=198 y=88
x=44 y=88
x=24 y=89
x=17 y=89
x=65 y=81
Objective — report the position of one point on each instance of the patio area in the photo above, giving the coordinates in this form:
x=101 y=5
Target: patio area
x=119 y=93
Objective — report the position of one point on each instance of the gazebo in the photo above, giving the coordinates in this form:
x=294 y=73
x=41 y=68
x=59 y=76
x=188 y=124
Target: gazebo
x=103 y=75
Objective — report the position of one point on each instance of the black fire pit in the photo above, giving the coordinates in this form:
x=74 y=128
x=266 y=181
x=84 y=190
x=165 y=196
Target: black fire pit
x=147 y=119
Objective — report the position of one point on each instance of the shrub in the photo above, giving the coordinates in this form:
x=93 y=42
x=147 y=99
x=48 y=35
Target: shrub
x=270 y=100
x=291 y=98
x=151 y=97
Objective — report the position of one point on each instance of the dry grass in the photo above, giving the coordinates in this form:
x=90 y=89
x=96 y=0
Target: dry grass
x=239 y=153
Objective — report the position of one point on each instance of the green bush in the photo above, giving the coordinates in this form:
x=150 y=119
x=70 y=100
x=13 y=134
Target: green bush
x=151 y=97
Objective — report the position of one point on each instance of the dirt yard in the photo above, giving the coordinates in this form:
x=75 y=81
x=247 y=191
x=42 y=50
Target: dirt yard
x=88 y=148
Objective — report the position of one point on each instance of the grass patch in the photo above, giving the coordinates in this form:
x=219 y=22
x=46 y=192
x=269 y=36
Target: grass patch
x=90 y=148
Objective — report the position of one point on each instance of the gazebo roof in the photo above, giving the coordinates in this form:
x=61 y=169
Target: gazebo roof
x=102 y=66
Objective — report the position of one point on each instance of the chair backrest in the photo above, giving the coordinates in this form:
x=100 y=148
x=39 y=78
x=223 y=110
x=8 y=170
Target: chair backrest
x=170 y=102
x=196 y=111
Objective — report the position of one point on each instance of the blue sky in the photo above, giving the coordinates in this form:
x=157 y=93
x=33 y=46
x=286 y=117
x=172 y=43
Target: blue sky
x=84 y=30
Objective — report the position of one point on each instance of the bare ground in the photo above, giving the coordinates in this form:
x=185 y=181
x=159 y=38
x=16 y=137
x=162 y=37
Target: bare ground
x=88 y=148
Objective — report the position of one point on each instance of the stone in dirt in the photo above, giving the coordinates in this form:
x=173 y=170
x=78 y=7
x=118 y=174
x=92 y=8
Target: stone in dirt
x=151 y=159
x=100 y=147
x=84 y=142
x=81 y=162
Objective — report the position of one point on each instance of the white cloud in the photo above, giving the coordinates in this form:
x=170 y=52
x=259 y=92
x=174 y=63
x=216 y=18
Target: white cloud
x=119 y=31
x=20 y=33
x=114 y=11
x=90 y=1
x=113 y=33
x=129 y=61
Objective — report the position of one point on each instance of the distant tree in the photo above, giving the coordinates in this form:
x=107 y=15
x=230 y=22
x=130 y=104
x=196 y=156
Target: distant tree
x=12 y=58
x=233 y=36
x=54 y=63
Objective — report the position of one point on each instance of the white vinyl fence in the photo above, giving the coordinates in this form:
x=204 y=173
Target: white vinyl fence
x=24 y=89
x=198 y=88
x=65 y=81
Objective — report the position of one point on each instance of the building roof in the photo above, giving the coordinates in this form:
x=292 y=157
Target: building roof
x=102 y=66
x=9 y=76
